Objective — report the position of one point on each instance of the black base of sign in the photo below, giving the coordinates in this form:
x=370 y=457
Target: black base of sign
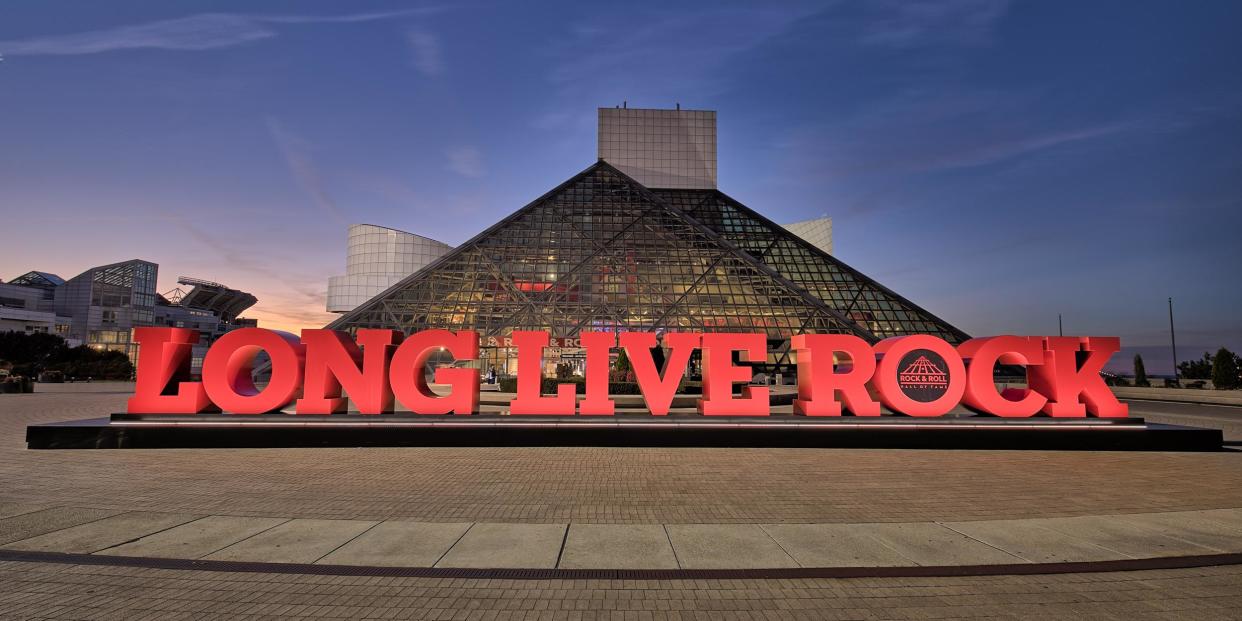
x=285 y=430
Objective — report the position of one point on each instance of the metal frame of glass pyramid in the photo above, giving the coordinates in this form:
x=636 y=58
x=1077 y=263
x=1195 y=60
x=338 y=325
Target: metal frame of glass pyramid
x=602 y=252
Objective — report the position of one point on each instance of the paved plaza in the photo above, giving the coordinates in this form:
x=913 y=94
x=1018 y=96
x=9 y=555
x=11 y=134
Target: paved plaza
x=641 y=508
x=31 y=590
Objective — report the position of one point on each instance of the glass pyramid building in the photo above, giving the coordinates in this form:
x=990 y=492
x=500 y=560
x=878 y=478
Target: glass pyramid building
x=603 y=252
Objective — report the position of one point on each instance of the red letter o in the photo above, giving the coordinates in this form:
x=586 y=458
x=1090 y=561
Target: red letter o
x=919 y=375
x=227 y=367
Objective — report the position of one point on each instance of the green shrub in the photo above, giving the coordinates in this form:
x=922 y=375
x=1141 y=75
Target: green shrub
x=1140 y=372
x=1196 y=369
x=31 y=354
x=622 y=371
x=1225 y=370
x=548 y=387
x=623 y=388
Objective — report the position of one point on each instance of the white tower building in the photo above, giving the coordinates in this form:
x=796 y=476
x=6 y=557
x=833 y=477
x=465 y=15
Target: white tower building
x=677 y=149
x=661 y=148
x=377 y=259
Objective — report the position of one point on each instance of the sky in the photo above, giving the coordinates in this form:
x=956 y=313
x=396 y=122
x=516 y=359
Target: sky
x=996 y=162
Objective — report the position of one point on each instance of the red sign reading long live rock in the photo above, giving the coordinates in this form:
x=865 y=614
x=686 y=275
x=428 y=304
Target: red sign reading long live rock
x=917 y=375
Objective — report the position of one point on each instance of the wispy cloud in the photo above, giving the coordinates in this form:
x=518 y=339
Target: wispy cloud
x=908 y=23
x=390 y=188
x=466 y=161
x=425 y=48
x=290 y=297
x=352 y=18
x=197 y=32
x=665 y=52
x=296 y=152
x=204 y=31
x=221 y=246
x=237 y=256
x=922 y=131
x=982 y=152
x=961 y=254
x=556 y=119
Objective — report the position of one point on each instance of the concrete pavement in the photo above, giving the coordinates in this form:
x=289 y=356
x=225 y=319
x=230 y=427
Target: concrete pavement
x=411 y=507
x=399 y=543
x=58 y=591
x=603 y=485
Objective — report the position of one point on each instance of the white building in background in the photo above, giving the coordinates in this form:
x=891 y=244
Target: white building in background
x=378 y=258
x=676 y=149
x=817 y=231
x=27 y=304
x=661 y=148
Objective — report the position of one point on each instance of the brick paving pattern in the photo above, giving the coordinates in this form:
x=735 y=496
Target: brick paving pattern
x=48 y=591
x=597 y=485
x=602 y=486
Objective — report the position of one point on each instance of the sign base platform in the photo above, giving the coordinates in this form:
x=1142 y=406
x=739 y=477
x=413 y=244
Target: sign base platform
x=351 y=430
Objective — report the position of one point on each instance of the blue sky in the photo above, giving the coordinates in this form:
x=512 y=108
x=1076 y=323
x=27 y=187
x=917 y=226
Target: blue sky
x=997 y=162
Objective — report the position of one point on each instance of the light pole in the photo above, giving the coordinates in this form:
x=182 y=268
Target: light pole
x=1060 y=330
x=1173 y=341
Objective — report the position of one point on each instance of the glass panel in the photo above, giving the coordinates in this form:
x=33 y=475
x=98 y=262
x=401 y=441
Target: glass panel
x=603 y=253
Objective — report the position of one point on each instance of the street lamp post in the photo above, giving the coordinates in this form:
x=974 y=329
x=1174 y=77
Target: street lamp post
x=1173 y=341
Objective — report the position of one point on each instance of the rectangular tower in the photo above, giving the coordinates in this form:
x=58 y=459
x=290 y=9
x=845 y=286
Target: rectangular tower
x=661 y=148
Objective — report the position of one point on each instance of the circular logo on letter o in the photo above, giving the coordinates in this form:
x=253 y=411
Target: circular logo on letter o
x=919 y=375
x=923 y=376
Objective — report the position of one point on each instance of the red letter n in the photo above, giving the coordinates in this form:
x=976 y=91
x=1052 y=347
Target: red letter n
x=334 y=361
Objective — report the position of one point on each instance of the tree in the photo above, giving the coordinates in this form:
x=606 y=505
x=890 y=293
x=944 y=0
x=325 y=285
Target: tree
x=1140 y=372
x=31 y=354
x=32 y=350
x=1225 y=370
x=621 y=369
x=1196 y=369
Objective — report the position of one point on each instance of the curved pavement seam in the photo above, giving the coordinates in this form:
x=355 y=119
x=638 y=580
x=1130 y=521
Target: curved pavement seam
x=917 y=571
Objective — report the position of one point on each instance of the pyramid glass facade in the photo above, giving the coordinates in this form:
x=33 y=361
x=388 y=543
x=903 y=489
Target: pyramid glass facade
x=601 y=252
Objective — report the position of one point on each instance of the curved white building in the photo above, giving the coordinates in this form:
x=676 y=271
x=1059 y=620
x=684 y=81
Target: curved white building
x=377 y=259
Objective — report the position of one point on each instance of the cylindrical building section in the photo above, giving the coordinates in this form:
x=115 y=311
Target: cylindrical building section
x=376 y=259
